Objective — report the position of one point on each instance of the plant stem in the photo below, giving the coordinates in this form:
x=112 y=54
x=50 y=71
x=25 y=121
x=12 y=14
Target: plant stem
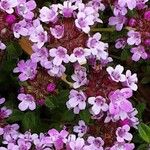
x=103 y=29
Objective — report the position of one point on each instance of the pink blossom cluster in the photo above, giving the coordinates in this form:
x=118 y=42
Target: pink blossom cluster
x=114 y=107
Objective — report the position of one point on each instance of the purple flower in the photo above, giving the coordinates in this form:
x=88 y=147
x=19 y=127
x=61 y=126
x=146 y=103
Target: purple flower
x=77 y=101
x=119 y=10
x=118 y=21
x=8 y=5
x=83 y=21
x=120 y=43
x=20 y=29
x=2 y=46
x=123 y=146
x=58 y=138
x=23 y=145
x=116 y=74
x=27 y=102
x=39 y=55
x=97 y=5
x=51 y=87
x=81 y=129
x=95 y=143
x=67 y=9
x=123 y=133
x=54 y=70
x=129 y=3
x=25 y=8
x=27 y=70
x=76 y=143
x=2 y=100
x=4 y=112
x=39 y=36
x=60 y=55
x=99 y=104
x=138 y=52
x=57 y=31
x=119 y=104
x=131 y=80
x=49 y=14
x=134 y=37
x=80 y=54
x=79 y=76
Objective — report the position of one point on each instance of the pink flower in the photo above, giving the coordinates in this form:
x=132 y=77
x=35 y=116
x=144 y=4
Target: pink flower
x=25 y=8
x=2 y=100
x=134 y=37
x=27 y=102
x=95 y=143
x=81 y=129
x=83 y=21
x=39 y=36
x=77 y=101
x=131 y=80
x=129 y=3
x=8 y=5
x=60 y=55
x=27 y=70
x=138 y=52
x=2 y=46
x=80 y=54
x=123 y=134
x=118 y=21
x=67 y=9
x=57 y=31
x=4 y=112
x=99 y=104
x=49 y=14
x=116 y=74
x=124 y=146
x=58 y=138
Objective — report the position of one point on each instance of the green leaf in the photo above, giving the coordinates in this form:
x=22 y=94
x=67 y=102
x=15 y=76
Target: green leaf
x=68 y=116
x=143 y=147
x=144 y=131
x=125 y=54
x=49 y=103
x=146 y=80
x=85 y=115
x=140 y=108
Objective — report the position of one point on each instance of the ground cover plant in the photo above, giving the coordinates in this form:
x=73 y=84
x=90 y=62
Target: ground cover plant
x=74 y=75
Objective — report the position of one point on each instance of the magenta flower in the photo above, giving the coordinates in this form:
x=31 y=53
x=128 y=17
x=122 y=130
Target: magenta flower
x=49 y=14
x=79 y=76
x=95 y=143
x=131 y=80
x=99 y=104
x=129 y=3
x=8 y=5
x=138 y=52
x=84 y=21
x=58 y=138
x=80 y=54
x=118 y=21
x=57 y=31
x=116 y=74
x=60 y=55
x=51 y=87
x=67 y=9
x=81 y=129
x=77 y=101
x=27 y=70
x=27 y=102
x=134 y=37
x=2 y=46
x=25 y=8
x=123 y=133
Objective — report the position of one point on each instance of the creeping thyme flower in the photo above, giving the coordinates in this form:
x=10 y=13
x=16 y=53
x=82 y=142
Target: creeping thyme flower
x=57 y=31
x=77 y=101
x=27 y=70
x=124 y=146
x=123 y=134
x=60 y=55
x=99 y=104
x=2 y=46
x=116 y=74
x=25 y=8
x=27 y=102
x=129 y=3
x=81 y=129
